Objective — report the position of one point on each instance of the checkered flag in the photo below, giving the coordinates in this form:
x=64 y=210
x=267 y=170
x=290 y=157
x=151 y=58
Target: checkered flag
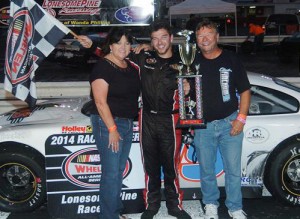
x=32 y=36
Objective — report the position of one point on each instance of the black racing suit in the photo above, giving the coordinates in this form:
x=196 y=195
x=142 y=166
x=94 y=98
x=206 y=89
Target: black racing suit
x=160 y=141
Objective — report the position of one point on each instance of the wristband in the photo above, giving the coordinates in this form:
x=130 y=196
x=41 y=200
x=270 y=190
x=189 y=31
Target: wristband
x=241 y=118
x=112 y=128
x=242 y=115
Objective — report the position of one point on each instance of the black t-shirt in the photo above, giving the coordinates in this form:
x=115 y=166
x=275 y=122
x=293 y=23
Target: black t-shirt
x=123 y=90
x=223 y=78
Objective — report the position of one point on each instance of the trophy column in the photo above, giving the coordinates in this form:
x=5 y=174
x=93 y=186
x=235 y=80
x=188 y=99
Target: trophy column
x=182 y=114
x=198 y=91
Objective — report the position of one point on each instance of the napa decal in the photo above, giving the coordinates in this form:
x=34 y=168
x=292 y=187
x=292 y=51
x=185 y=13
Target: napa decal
x=257 y=135
x=82 y=168
x=132 y=14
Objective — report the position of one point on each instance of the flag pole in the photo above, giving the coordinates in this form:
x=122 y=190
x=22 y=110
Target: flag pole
x=74 y=34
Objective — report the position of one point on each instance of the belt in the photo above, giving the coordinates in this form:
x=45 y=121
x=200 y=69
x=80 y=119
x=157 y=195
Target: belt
x=119 y=118
x=159 y=112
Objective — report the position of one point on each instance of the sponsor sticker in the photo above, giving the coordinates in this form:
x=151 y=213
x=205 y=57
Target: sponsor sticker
x=257 y=135
x=19 y=47
x=76 y=129
x=83 y=168
x=132 y=14
x=19 y=115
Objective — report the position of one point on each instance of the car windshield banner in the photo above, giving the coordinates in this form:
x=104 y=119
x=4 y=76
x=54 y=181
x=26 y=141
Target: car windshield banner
x=93 y=12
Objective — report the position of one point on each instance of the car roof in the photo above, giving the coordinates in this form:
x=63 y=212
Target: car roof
x=283 y=19
x=259 y=79
x=274 y=83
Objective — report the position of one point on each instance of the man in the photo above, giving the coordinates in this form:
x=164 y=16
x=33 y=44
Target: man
x=259 y=34
x=226 y=99
x=160 y=140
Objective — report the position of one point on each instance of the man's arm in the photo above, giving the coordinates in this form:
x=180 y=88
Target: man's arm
x=245 y=98
x=239 y=123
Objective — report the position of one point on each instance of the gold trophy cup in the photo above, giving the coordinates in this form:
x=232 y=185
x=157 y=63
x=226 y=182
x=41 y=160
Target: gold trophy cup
x=190 y=108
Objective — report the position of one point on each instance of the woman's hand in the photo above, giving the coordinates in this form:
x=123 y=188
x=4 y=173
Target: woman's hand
x=113 y=141
x=85 y=41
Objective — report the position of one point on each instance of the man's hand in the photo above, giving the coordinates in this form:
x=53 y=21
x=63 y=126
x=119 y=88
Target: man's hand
x=186 y=87
x=237 y=127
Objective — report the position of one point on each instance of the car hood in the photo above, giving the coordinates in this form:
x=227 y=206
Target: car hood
x=52 y=111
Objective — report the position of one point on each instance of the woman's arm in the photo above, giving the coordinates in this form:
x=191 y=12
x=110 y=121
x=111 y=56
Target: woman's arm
x=87 y=43
x=100 y=91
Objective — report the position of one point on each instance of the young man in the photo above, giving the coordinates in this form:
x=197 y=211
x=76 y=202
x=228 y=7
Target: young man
x=160 y=140
x=224 y=79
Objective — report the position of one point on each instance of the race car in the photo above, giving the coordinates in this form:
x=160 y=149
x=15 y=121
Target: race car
x=49 y=154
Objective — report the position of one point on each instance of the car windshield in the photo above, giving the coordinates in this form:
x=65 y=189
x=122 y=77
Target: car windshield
x=286 y=84
x=267 y=101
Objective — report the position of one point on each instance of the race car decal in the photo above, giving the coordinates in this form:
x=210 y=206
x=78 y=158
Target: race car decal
x=18 y=116
x=132 y=14
x=83 y=168
x=73 y=175
x=76 y=129
x=257 y=135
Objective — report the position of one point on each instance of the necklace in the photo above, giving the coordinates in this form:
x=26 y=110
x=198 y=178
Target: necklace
x=123 y=69
x=117 y=62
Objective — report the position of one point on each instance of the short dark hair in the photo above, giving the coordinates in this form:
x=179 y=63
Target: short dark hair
x=160 y=24
x=114 y=35
x=209 y=24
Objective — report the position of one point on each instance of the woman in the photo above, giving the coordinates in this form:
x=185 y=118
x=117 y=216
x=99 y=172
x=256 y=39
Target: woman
x=115 y=88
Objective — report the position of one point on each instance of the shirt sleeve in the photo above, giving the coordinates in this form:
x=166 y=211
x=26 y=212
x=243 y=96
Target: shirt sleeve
x=101 y=71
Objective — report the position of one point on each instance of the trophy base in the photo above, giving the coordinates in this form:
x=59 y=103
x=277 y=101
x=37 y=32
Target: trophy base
x=187 y=123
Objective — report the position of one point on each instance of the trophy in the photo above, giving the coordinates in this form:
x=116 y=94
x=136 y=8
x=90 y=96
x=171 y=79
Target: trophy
x=190 y=108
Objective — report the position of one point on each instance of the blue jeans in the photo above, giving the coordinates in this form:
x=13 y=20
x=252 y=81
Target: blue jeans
x=112 y=165
x=208 y=141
